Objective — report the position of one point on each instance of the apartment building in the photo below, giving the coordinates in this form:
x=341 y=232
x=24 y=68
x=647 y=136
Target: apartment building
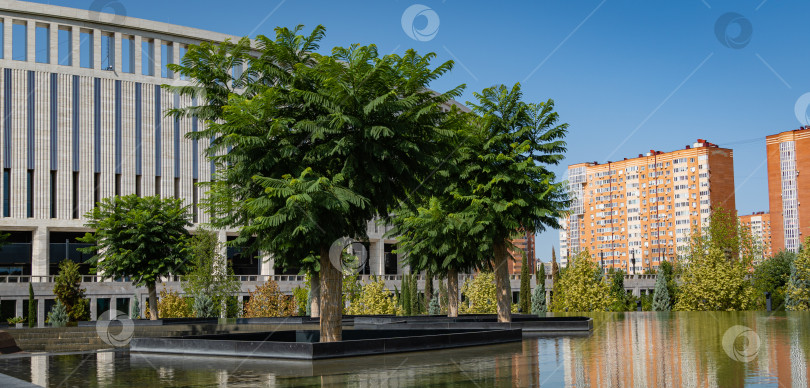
x=788 y=153
x=633 y=213
x=523 y=246
x=759 y=224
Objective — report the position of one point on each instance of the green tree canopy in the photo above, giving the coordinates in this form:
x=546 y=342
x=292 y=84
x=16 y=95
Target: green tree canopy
x=67 y=288
x=142 y=238
x=312 y=147
x=210 y=281
x=661 y=300
x=797 y=295
x=718 y=260
x=772 y=275
x=579 y=290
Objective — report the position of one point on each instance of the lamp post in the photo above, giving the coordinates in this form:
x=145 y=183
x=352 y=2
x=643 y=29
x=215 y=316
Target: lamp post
x=633 y=260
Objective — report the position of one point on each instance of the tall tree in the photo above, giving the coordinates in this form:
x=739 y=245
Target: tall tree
x=617 y=292
x=507 y=183
x=316 y=146
x=525 y=285
x=67 y=288
x=719 y=257
x=142 y=238
x=32 y=307
x=772 y=275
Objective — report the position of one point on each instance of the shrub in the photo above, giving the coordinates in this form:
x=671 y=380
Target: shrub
x=797 y=295
x=301 y=295
x=479 y=294
x=374 y=299
x=268 y=301
x=58 y=317
x=172 y=305
x=203 y=306
x=68 y=291
x=136 y=310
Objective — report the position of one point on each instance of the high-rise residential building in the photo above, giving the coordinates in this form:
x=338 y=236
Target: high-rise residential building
x=759 y=224
x=633 y=213
x=788 y=153
x=523 y=245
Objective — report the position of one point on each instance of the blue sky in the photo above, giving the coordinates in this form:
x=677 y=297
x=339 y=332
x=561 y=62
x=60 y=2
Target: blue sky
x=628 y=76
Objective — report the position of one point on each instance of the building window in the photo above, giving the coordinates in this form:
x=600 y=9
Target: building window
x=7 y=192
x=86 y=49
x=43 y=44
x=65 y=37
x=19 y=41
x=148 y=57
x=75 y=191
x=138 y=186
x=53 y=193
x=157 y=186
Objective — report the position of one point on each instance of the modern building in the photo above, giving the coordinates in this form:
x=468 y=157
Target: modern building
x=759 y=223
x=633 y=213
x=788 y=154
x=523 y=246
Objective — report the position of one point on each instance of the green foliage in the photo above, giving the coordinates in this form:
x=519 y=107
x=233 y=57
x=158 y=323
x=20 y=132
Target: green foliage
x=142 y=238
x=479 y=294
x=58 y=316
x=301 y=295
x=351 y=291
x=524 y=300
x=405 y=299
x=374 y=299
x=434 y=308
x=442 y=296
x=172 y=305
x=661 y=300
x=136 y=308
x=618 y=295
x=539 y=299
x=67 y=288
x=578 y=290
x=32 y=307
x=268 y=301
x=671 y=273
x=797 y=295
x=233 y=309
x=210 y=281
x=772 y=275
x=718 y=261
x=414 y=297
x=15 y=320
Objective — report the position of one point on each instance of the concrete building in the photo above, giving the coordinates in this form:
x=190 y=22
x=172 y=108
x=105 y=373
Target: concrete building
x=759 y=224
x=633 y=213
x=788 y=154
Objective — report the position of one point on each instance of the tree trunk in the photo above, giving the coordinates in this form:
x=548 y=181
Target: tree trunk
x=315 y=294
x=452 y=293
x=331 y=308
x=503 y=289
x=153 y=312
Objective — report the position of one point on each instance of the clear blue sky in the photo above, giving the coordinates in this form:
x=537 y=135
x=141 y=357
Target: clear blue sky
x=627 y=76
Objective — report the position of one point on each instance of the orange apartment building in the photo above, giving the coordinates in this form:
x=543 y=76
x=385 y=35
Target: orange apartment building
x=643 y=209
x=759 y=224
x=788 y=153
x=523 y=245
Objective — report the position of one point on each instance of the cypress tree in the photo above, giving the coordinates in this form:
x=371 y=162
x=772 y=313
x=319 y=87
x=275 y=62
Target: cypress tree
x=32 y=307
x=413 y=290
x=661 y=300
x=406 y=295
x=525 y=286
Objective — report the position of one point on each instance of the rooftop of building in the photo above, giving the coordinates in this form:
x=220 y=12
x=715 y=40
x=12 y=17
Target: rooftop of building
x=700 y=143
x=802 y=130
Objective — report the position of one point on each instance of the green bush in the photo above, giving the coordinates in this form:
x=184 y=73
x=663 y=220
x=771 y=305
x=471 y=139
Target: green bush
x=58 y=317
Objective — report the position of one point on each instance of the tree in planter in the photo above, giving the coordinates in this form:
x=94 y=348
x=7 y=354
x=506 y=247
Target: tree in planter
x=67 y=288
x=210 y=281
x=539 y=295
x=480 y=294
x=313 y=147
x=506 y=184
x=374 y=299
x=32 y=307
x=142 y=238
x=172 y=305
x=525 y=286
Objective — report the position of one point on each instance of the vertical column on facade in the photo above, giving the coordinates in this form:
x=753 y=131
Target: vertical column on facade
x=8 y=46
x=375 y=257
x=18 y=308
x=267 y=267
x=118 y=53
x=42 y=141
x=222 y=238
x=113 y=308
x=156 y=62
x=64 y=154
x=137 y=49
x=86 y=140
x=41 y=312
x=75 y=41
x=19 y=140
x=96 y=49
x=31 y=38
x=175 y=58
x=39 y=252
x=53 y=44
x=93 y=308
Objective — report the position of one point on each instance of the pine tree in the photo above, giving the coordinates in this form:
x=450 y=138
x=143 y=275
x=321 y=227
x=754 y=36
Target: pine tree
x=661 y=300
x=525 y=286
x=58 y=317
x=136 y=309
x=406 y=295
x=434 y=308
x=413 y=291
x=539 y=295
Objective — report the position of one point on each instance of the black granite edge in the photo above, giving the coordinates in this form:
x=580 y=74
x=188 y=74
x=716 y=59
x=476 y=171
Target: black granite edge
x=539 y=326
x=317 y=350
x=466 y=318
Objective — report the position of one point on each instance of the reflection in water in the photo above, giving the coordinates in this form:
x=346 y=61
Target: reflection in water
x=630 y=349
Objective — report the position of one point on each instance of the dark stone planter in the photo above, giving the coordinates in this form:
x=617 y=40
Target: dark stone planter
x=303 y=345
